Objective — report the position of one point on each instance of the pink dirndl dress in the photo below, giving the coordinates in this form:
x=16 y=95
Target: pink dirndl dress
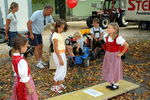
x=20 y=91
x=112 y=65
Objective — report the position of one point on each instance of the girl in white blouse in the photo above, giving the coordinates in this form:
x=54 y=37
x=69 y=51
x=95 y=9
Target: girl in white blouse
x=112 y=65
x=24 y=88
x=11 y=23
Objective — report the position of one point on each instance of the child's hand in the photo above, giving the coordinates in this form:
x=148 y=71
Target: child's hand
x=120 y=54
x=69 y=47
x=30 y=90
x=77 y=49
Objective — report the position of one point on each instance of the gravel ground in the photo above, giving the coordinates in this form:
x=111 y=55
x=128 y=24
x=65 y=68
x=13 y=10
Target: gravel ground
x=131 y=33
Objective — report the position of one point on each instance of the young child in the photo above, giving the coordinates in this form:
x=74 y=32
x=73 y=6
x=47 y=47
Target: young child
x=112 y=67
x=78 y=49
x=24 y=88
x=59 y=56
x=96 y=33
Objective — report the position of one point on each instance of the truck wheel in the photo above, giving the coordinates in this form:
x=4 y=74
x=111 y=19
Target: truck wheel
x=143 y=25
x=104 y=22
x=121 y=21
x=67 y=41
x=89 y=21
x=2 y=38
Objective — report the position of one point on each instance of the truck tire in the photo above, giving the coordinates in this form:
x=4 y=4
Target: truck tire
x=104 y=22
x=89 y=21
x=2 y=38
x=143 y=25
x=121 y=21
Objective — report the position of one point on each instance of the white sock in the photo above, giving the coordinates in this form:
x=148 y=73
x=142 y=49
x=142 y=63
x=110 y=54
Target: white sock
x=116 y=84
x=40 y=61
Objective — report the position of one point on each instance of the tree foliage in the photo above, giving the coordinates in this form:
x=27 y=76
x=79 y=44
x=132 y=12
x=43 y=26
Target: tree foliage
x=40 y=1
x=61 y=6
x=62 y=9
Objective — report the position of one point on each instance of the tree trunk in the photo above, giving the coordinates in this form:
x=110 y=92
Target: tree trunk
x=62 y=9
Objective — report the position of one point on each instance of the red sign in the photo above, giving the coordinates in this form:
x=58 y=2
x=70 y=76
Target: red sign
x=143 y=5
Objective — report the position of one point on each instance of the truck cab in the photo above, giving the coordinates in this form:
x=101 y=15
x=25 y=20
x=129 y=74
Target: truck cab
x=138 y=11
x=112 y=11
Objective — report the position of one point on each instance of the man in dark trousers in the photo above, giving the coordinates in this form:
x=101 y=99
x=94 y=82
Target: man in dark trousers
x=36 y=26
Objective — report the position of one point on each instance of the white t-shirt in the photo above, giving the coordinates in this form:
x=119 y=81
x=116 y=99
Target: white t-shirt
x=61 y=43
x=81 y=42
x=119 y=40
x=38 y=21
x=22 y=70
x=13 y=23
x=97 y=35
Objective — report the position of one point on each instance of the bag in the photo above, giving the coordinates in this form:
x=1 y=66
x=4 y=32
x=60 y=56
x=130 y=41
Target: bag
x=51 y=43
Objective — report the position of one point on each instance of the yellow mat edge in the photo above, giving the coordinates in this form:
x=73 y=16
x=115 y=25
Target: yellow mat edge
x=126 y=90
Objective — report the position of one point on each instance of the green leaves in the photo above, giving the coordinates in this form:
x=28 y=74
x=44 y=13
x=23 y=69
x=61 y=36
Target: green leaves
x=40 y=1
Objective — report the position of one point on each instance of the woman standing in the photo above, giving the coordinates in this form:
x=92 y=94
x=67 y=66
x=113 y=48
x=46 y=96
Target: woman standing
x=11 y=23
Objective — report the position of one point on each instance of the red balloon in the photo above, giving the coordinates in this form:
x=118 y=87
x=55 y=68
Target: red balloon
x=71 y=3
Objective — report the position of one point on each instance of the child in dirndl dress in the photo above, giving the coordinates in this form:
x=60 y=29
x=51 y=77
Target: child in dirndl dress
x=24 y=88
x=112 y=65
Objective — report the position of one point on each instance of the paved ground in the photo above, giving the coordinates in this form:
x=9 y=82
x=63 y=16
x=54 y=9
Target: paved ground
x=131 y=34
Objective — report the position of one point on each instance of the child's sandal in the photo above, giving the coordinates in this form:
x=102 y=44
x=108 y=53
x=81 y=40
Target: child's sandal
x=62 y=86
x=56 y=89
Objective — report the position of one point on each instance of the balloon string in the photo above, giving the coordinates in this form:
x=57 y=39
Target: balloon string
x=70 y=21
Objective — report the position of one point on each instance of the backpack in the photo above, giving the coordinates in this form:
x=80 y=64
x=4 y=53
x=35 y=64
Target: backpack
x=51 y=43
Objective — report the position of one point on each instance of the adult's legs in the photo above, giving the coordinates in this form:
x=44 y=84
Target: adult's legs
x=36 y=53
x=40 y=52
x=38 y=44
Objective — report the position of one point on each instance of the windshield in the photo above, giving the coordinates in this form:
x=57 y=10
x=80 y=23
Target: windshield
x=107 y=5
x=111 y=4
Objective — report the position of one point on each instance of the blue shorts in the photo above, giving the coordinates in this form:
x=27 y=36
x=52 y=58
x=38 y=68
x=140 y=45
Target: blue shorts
x=37 y=40
x=11 y=36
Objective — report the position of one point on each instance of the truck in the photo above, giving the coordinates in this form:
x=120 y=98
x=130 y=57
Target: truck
x=23 y=15
x=122 y=11
x=139 y=11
